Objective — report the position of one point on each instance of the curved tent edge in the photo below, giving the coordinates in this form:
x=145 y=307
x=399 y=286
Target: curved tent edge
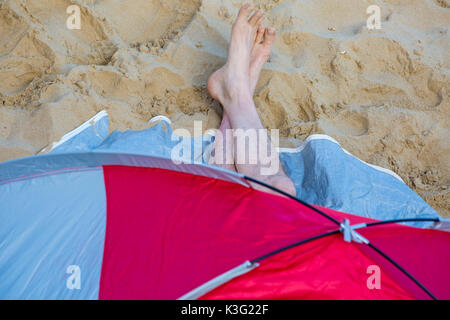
x=36 y=165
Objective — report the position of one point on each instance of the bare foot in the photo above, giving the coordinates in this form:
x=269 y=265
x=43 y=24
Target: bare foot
x=232 y=81
x=264 y=40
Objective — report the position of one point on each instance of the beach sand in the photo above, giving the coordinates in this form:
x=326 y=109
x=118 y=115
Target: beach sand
x=383 y=94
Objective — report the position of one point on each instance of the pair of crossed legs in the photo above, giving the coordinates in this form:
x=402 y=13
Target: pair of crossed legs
x=233 y=86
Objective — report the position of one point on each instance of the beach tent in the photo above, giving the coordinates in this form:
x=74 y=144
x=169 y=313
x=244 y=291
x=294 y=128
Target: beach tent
x=114 y=217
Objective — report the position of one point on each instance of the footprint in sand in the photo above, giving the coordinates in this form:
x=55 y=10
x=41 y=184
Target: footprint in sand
x=22 y=56
x=347 y=123
x=142 y=20
x=89 y=45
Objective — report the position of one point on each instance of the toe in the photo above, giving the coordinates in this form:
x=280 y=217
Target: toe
x=244 y=12
x=260 y=20
x=260 y=34
x=256 y=18
x=269 y=37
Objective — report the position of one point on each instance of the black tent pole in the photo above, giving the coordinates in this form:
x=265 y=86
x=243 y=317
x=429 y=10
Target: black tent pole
x=294 y=198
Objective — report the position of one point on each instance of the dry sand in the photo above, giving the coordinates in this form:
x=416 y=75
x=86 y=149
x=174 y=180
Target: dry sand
x=383 y=94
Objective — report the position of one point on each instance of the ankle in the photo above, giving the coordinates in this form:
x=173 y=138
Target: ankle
x=237 y=87
x=239 y=95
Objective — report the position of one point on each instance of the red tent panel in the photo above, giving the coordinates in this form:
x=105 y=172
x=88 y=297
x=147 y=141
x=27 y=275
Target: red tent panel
x=169 y=232
x=327 y=268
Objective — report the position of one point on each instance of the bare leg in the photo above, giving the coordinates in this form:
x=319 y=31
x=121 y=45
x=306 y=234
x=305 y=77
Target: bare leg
x=259 y=55
x=231 y=85
x=222 y=152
